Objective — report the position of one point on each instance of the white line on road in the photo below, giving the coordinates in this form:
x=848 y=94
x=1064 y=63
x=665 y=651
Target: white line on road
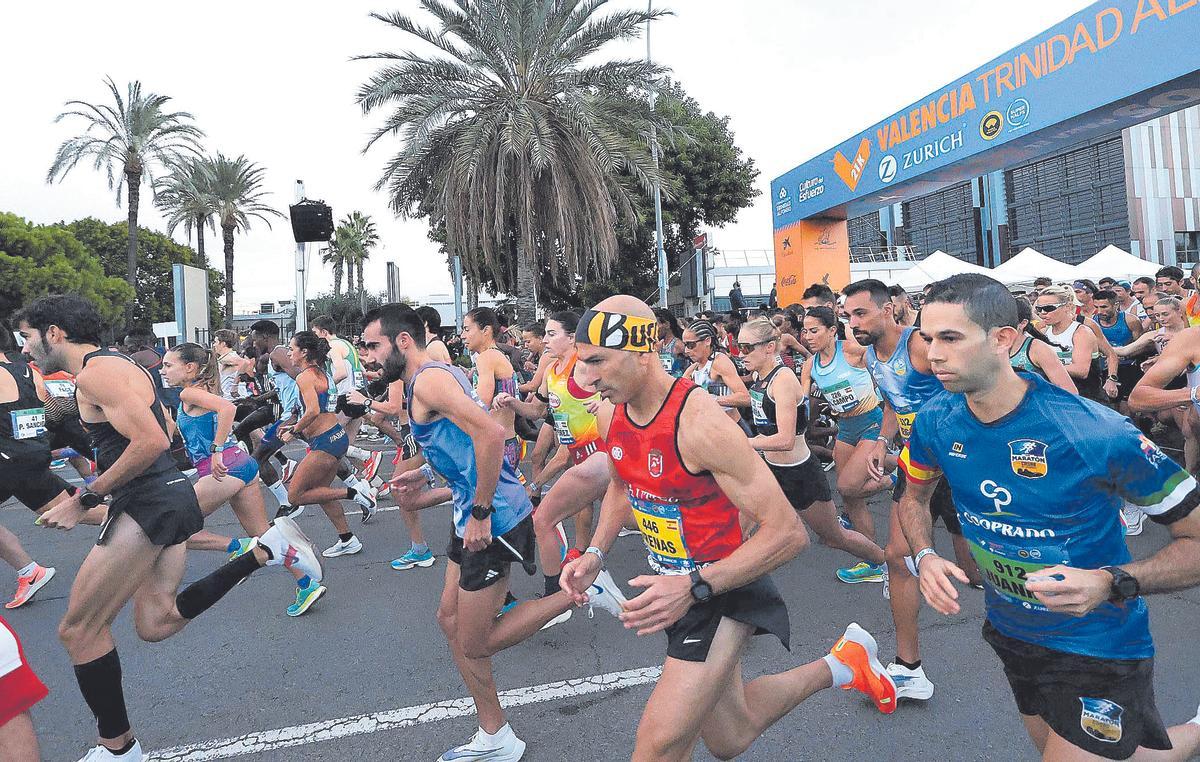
x=392 y=719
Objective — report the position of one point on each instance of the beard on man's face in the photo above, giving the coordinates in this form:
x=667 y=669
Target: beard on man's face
x=394 y=366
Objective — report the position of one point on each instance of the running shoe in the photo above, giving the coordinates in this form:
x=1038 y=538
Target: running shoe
x=101 y=754
x=291 y=547
x=412 y=559
x=28 y=586
x=861 y=572
x=504 y=746
x=288 y=471
x=563 y=617
x=510 y=602
x=58 y=463
x=858 y=651
x=244 y=544
x=605 y=593
x=371 y=465
x=364 y=495
x=625 y=532
x=844 y=520
x=571 y=555
x=290 y=511
x=1134 y=518
x=828 y=466
x=305 y=598
x=910 y=683
x=563 y=544
x=343 y=548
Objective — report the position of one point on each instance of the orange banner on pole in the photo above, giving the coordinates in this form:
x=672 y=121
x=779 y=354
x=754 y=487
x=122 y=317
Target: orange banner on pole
x=808 y=252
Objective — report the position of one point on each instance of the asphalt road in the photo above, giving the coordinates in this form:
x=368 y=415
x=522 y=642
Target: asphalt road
x=372 y=647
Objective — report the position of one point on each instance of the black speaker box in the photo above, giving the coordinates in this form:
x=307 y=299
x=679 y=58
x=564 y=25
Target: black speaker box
x=311 y=221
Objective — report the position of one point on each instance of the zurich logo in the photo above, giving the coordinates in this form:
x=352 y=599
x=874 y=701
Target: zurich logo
x=887 y=169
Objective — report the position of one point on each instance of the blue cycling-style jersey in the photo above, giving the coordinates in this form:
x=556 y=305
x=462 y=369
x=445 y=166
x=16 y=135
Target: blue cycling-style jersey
x=1043 y=486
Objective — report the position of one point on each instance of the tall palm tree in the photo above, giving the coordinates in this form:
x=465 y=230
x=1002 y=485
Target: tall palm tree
x=362 y=232
x=133 y=134
x=238 y=193
x=184 y=194
x=334 y=255
x=514 y=141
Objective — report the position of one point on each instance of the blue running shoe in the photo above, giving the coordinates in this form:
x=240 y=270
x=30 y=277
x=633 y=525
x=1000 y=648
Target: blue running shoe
x=244 y=544
x=412 y=559
x=305 y=598
x=58 y=463
x=845 y=521
x=510 y=601
x=861 y=572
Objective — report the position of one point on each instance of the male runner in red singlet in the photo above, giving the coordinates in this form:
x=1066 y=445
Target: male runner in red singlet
x=688 y=474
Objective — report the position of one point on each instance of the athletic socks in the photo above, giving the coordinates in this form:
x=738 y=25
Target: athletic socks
x=351 y=481
x=552 y=584
x=100 y=684
x=351 y=493
x=26 y=570
x=346 y=537
x=199 y=596
x=357 y=453
x=304 y=582
x=281 y=458
x=913 y=665
x=280 y=492
x=419 y=549
x=842 y=675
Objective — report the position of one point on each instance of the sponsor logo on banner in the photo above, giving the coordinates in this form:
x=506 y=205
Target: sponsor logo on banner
x=810 y=188
x=1017 y=114
x=783 y=204
x=1028 y=458
x=932 y=150
x=1101 y=719
x=851 y=170
x=887 y=168
x=991 y=125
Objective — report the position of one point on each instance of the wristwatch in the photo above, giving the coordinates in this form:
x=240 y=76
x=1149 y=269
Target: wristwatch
x=216 y=448
x=482 y=512
x=90 y=499
x=1124 y=585
x=702 y=592
x=368 y=402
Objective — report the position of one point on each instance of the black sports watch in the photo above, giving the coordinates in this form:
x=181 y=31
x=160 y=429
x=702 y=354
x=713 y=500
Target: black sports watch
x=482 y=512
x=1124 y=585
x=702 y=592
x=90 y=499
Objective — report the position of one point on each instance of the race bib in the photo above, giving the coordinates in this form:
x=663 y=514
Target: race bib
x=60 y=388
x=668 y=361
x=661 y=526
x=1006 y=568
x=756 y=408
x=360 y=379
x=841 y=397
x=563 y=429
x=28 y=424
x=906 y=422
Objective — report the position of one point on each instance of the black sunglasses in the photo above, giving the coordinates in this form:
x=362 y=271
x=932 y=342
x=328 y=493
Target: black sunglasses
x=1047 y=308
x=748 y=348
x=690 y=344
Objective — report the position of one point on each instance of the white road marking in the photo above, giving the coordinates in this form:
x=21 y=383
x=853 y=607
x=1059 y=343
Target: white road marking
x=392 y=719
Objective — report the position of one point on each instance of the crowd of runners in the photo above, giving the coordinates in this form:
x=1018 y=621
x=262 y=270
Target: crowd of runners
x=1032 y=425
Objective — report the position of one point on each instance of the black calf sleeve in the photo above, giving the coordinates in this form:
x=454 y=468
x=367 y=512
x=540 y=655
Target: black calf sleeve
x=100 y=684
x=199 y=596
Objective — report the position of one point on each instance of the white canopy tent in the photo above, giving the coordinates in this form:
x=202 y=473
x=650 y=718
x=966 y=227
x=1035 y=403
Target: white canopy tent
x=1030 y=264
x=1113 y=262
x=937 y=266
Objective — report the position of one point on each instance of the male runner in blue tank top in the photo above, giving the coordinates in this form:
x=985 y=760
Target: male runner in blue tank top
x=1038 y=476
x=896 y=360
x=493 y=525
x=140 y=553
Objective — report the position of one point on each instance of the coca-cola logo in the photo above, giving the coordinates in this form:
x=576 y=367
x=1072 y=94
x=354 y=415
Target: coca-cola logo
x=788 y=280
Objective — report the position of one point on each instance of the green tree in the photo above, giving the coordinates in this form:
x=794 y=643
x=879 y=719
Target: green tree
x=514 y=135
x=361 y=231
x=184 y=194
x=334 y=255
x=131 y=134
x=237 y=188
x=36 y=260
x=346 y=310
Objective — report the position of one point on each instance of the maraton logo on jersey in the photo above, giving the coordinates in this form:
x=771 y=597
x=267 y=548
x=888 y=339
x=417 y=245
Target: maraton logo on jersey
x=554 y=402
x=1101 y=719
x=1151 y=451
x=616 y=452
x=1028 y=458
x=654 y=463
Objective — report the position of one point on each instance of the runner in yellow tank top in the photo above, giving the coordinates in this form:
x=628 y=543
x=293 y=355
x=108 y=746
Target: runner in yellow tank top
x=574 y=423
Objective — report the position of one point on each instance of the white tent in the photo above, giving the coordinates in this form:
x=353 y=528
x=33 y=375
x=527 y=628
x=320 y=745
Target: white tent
x=937 y=266
x=1112 y=262
x=1030 y=264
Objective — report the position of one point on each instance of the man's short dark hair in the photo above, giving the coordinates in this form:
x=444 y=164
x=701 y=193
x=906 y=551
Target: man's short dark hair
x=818 y=291
x=876 y=288
x=897 y=291
x=140 y=338
x=1108 y=280
x=431 y=316
x=1147 y=282
x=266 y=328
x=537 y=328
x=1170 y=271
x=1106 y=295
x=1042 y=281
x=324 y=322
x=395 y=319
x=985 y=300
x=74 y=315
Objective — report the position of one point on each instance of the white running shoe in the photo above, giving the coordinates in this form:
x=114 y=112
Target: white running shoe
x=289 y=470
x=290 y=547
x=1134 y=519
x=605 y=594
x=101 y=754
x=504 y=746
x=340 y=548
x=371 y=465
x=563 y=617
x=365 y=495
x=625 y=532
x=910 y=683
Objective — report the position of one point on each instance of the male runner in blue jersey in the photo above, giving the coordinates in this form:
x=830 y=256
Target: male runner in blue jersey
x=1038 y=476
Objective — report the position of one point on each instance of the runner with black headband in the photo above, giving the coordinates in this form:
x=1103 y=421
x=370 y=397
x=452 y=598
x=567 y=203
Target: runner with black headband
x=690 y=477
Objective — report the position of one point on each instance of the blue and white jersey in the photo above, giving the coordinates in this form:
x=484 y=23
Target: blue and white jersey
x=903 y=387
x=1043 y=486
x=451 y=453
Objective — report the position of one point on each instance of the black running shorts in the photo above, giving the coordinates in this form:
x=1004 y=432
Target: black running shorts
x=803 y=483
x=163 y=504
x=482 y=569
x=757 y=603
x=941 y=505
x=28 y=478
x=1104 y=706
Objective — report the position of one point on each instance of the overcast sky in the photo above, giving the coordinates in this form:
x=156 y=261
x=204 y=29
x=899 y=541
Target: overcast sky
x=274 y=81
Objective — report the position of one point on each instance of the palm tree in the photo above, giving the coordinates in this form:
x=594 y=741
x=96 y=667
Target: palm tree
x=334 y=255
x=133 y=133
x=362 y=232
x=514 y=142
x=237 y=192
x=184 y=194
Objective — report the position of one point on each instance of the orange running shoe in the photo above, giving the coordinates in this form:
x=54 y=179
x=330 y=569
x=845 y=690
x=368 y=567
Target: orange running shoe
x=857 y=650
x=28 y=586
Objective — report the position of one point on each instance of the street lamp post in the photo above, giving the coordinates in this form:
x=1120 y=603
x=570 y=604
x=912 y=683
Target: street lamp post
x=658 y=225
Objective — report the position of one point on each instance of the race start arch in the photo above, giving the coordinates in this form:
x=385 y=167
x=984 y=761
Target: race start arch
x=1112 y=65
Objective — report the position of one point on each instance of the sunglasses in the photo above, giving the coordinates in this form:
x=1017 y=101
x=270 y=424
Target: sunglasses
x=690 y=344
x=748 y=348
x=1047 y=308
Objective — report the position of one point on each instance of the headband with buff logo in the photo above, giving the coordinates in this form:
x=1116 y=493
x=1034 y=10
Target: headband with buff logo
x=614 y=330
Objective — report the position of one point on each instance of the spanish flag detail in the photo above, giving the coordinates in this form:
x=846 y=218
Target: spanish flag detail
x=918 y=473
